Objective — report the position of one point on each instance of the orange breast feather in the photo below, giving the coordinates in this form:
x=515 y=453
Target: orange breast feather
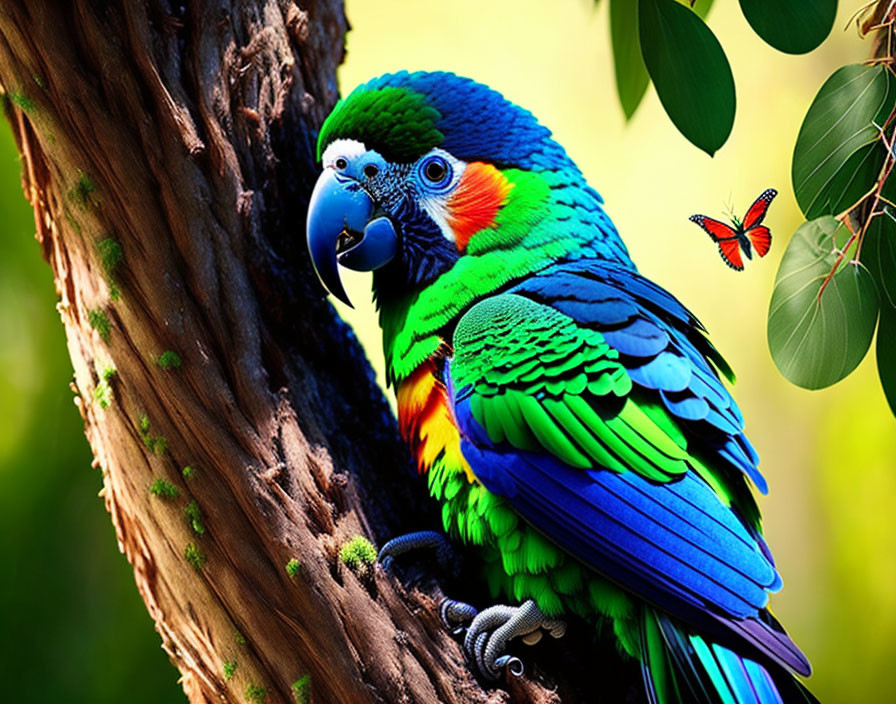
x=426 y=423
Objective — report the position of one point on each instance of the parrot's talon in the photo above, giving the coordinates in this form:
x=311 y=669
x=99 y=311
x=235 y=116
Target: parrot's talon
x=512 y=664
x=492 y=629
x=456 y=615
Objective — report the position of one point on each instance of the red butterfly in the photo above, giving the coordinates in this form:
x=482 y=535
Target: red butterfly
x=744 y=235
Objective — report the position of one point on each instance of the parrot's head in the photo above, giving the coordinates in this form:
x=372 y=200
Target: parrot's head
x=423 y=170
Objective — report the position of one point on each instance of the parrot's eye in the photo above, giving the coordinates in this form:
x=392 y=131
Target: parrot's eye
x=341 y=163
x=436 y=171
x=371 y=170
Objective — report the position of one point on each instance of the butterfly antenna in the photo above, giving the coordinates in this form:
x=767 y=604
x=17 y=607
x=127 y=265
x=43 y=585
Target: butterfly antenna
x=729 y=212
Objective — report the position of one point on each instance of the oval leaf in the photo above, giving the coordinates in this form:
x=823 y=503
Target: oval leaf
x=815 y=340
x=689 y=70
x=631 y=73
x=886 y=353
x=791 y=26
x=879 y=254
x=701 y=7
x=838 y=145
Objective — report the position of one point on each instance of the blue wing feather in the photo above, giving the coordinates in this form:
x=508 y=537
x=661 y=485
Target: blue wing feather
x=676 y=535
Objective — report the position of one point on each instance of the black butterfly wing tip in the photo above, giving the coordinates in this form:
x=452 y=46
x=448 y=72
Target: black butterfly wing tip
x=696 y=218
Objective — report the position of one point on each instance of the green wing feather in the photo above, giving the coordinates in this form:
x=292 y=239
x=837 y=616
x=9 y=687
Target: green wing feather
x=540 y=381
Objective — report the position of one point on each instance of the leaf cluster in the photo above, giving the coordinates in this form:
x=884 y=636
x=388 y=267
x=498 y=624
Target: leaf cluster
x=837 y=278
x=668 y=42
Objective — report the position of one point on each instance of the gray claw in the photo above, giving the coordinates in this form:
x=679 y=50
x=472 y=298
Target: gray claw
x=513 y=664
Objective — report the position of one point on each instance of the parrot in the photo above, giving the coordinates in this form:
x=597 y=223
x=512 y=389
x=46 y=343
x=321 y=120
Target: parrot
x=567 y=413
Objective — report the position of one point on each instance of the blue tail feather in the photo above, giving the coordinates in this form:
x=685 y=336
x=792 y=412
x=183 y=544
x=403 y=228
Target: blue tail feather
x=681 y=667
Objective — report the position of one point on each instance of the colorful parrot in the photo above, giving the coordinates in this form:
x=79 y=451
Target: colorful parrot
x=567 y=412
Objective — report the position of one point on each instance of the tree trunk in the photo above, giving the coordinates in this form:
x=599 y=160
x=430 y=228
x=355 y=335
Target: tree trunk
x=168 y=155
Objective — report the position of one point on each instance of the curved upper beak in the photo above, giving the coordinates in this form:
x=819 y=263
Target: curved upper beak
x=341 y=230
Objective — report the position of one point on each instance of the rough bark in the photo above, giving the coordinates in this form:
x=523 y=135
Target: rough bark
x=182 y=135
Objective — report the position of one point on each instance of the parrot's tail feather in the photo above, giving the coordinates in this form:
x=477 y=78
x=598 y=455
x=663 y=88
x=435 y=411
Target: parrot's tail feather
x=768 y=636
x=680 y=667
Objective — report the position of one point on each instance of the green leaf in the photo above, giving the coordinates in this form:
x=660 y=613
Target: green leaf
x=855 y=179
x=791 y=26
x=701 y=7
x=689 y=70
x=631 y=73
x=838 y=145
x=816 y=340
x=886 y=353
x=879 y=254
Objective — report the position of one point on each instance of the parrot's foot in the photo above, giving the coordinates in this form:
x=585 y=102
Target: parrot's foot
x=412 y=542
x=456 y=615
x=491 y=630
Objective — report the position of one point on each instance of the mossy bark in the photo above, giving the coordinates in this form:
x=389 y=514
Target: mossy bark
x=168 y=154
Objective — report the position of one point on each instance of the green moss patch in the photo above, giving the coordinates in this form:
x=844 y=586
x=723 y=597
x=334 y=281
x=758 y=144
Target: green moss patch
x=358 y=554
x=163 y=489
x=99 y=321
x=195 y=556
x=22 y=101
x=301 y=689
x=103 y=391
x=154 y=443
x=81 y=194
x=168 y=360
x=111 y=255
x=256 y=693
x=194 y=516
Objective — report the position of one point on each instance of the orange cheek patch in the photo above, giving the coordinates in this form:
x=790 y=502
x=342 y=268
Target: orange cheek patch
x=479 y=196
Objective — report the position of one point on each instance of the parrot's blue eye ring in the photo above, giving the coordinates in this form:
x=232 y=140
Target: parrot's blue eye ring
x=436 y=170
x=341 y=163
x=371 y=170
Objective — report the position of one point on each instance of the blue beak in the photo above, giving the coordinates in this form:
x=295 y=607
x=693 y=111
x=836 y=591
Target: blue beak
x=340 y=231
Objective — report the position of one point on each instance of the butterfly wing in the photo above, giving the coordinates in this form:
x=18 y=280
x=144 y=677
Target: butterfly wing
x=714 y=228
x=757 y=211
x=761 y=239
x=725 y=236
x=730 y=251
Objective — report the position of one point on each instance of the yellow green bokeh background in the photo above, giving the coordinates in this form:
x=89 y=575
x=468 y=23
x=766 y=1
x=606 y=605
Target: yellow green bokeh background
x=829 y=456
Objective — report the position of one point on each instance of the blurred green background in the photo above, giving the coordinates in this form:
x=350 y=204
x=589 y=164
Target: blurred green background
x=75 y=629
